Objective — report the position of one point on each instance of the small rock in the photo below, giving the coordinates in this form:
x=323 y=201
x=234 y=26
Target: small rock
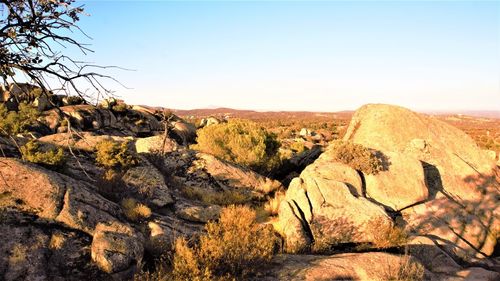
x=116 y=247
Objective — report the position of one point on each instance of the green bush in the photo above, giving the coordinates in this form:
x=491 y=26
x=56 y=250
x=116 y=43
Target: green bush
x=111 y=154
x=120 y=108
x=15 y=122
x=241 y=142
x=232 y=248
x=32 y=152
x=356 y=156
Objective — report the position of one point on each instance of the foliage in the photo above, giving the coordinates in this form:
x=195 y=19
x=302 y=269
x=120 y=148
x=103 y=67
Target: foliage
x=111 y=154
x=120 y=107
x=298 y=147
x=234 y=247
x=134 y=210
x=15 y=122
x=356 y=156
x=242 y=142
x=32 y=152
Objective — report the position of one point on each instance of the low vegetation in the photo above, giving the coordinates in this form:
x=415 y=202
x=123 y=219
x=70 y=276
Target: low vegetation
x=356 y=156
x=33 y=152
x=134 y=210
x=386 y=235
x=406 y=270
x=120 y=107
x=273 y=205
x=241 y=142
x=15 y=122
x=112 y=154
x=233 y=248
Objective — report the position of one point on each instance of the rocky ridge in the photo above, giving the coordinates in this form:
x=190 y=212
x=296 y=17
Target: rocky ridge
x=67 y=224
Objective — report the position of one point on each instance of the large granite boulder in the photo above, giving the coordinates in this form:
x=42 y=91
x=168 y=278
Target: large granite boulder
x=435 y=178
x=401 y=185
x=349 y=266
x=322 y=212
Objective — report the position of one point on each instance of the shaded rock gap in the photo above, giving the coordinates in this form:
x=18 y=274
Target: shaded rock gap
x=303 y=221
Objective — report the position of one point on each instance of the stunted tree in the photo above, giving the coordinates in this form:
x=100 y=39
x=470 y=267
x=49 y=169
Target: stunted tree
x=34 y=36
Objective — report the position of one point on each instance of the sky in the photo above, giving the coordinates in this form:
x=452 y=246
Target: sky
x=299 y=55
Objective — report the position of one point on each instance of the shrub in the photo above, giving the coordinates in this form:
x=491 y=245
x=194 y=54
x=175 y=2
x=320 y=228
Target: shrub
x=298 y=147
x=134 y=210
x=32 y=152
x=356 y=156
x=236 y=246
x=386 y=235
x=15 y=122
x=120 y=108
x=407 y=269
x=242 y=142
x=111 y=154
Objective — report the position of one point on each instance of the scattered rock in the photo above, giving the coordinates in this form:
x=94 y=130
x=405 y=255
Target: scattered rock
x=147 y=181
x=199 y=213
x=155 y=144
x=116 y=247
x=234 y=176
x=209 y=121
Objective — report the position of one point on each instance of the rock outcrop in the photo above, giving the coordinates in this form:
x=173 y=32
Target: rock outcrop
x=52 y=196
x=365 y=266
x=439 y=181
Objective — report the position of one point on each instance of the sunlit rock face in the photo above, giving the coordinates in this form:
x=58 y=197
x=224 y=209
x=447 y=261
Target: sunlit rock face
x=434 y=176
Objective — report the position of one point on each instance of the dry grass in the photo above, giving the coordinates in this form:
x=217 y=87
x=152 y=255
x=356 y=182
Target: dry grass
x=57 y=241
x=273 y=205
x=135 y=211
x=406 y=270
x=232 y=248
x=386 y=235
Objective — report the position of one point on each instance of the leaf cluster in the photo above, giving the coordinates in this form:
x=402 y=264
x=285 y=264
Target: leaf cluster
x=15 y=122
x=32 y=152
x=241 y=142
x=112 y=154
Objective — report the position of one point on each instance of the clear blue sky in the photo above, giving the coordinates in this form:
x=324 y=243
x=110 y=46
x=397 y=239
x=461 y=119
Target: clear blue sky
x=302 y=55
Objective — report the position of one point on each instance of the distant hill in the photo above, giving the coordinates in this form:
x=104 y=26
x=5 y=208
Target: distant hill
x=256 y=115
x=473 y=113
